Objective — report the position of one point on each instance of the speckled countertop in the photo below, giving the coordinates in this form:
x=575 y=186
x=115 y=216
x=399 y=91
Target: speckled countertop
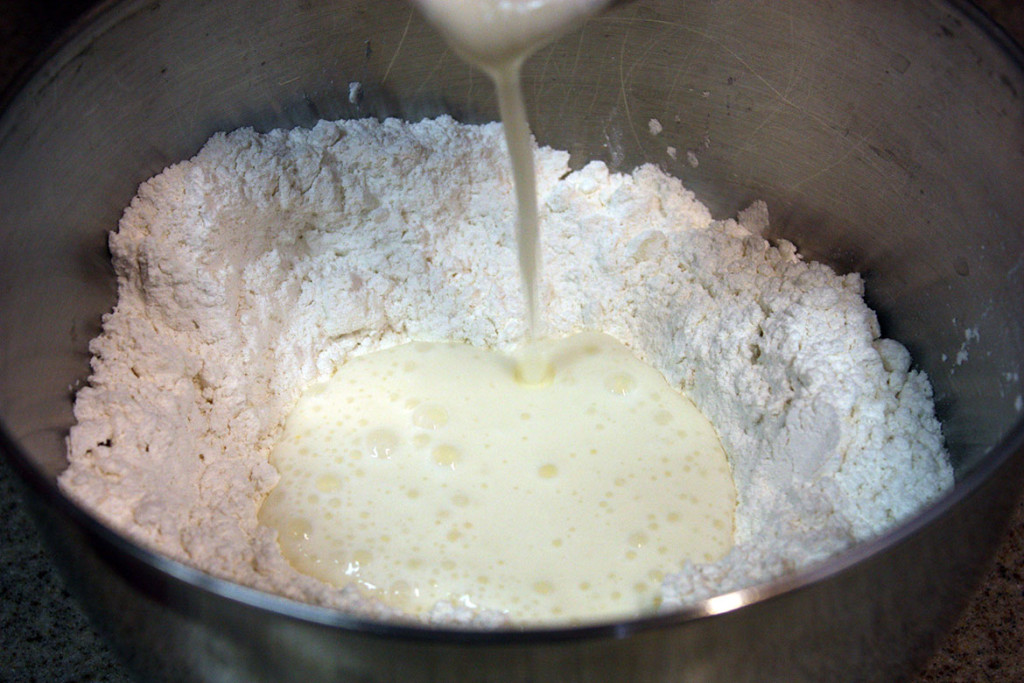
x=45 y=637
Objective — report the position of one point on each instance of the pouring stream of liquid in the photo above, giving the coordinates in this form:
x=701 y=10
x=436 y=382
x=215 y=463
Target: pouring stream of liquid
x=517 y=136
x=497 y=36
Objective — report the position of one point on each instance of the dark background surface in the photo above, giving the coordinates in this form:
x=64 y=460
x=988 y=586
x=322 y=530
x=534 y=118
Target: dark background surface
x=44 y=636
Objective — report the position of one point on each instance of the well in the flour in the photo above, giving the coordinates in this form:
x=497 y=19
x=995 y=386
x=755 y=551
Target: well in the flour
x=551 y=503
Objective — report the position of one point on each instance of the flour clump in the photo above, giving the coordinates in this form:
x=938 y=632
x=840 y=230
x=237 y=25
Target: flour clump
x=261 y=264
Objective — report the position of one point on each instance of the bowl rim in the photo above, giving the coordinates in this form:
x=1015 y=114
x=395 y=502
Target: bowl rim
x=1011 y=445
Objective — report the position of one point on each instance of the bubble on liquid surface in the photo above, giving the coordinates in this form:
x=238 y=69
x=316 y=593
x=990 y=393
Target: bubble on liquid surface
x=446 y=455
x=381 y=443
x=430 y=416
x=620 y=383
x=548 y=471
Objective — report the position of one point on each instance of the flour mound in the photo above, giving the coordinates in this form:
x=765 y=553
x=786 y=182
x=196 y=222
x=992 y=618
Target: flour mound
x=261 y=264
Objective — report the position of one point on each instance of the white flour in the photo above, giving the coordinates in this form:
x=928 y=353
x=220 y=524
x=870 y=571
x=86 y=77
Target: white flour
x=266 y=260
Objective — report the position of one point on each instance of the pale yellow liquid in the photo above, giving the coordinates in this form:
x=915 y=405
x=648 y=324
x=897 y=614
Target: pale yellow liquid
x=428 y=472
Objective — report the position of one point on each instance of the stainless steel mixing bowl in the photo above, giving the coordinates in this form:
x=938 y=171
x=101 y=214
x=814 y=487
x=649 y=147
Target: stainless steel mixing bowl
x=887 y=138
